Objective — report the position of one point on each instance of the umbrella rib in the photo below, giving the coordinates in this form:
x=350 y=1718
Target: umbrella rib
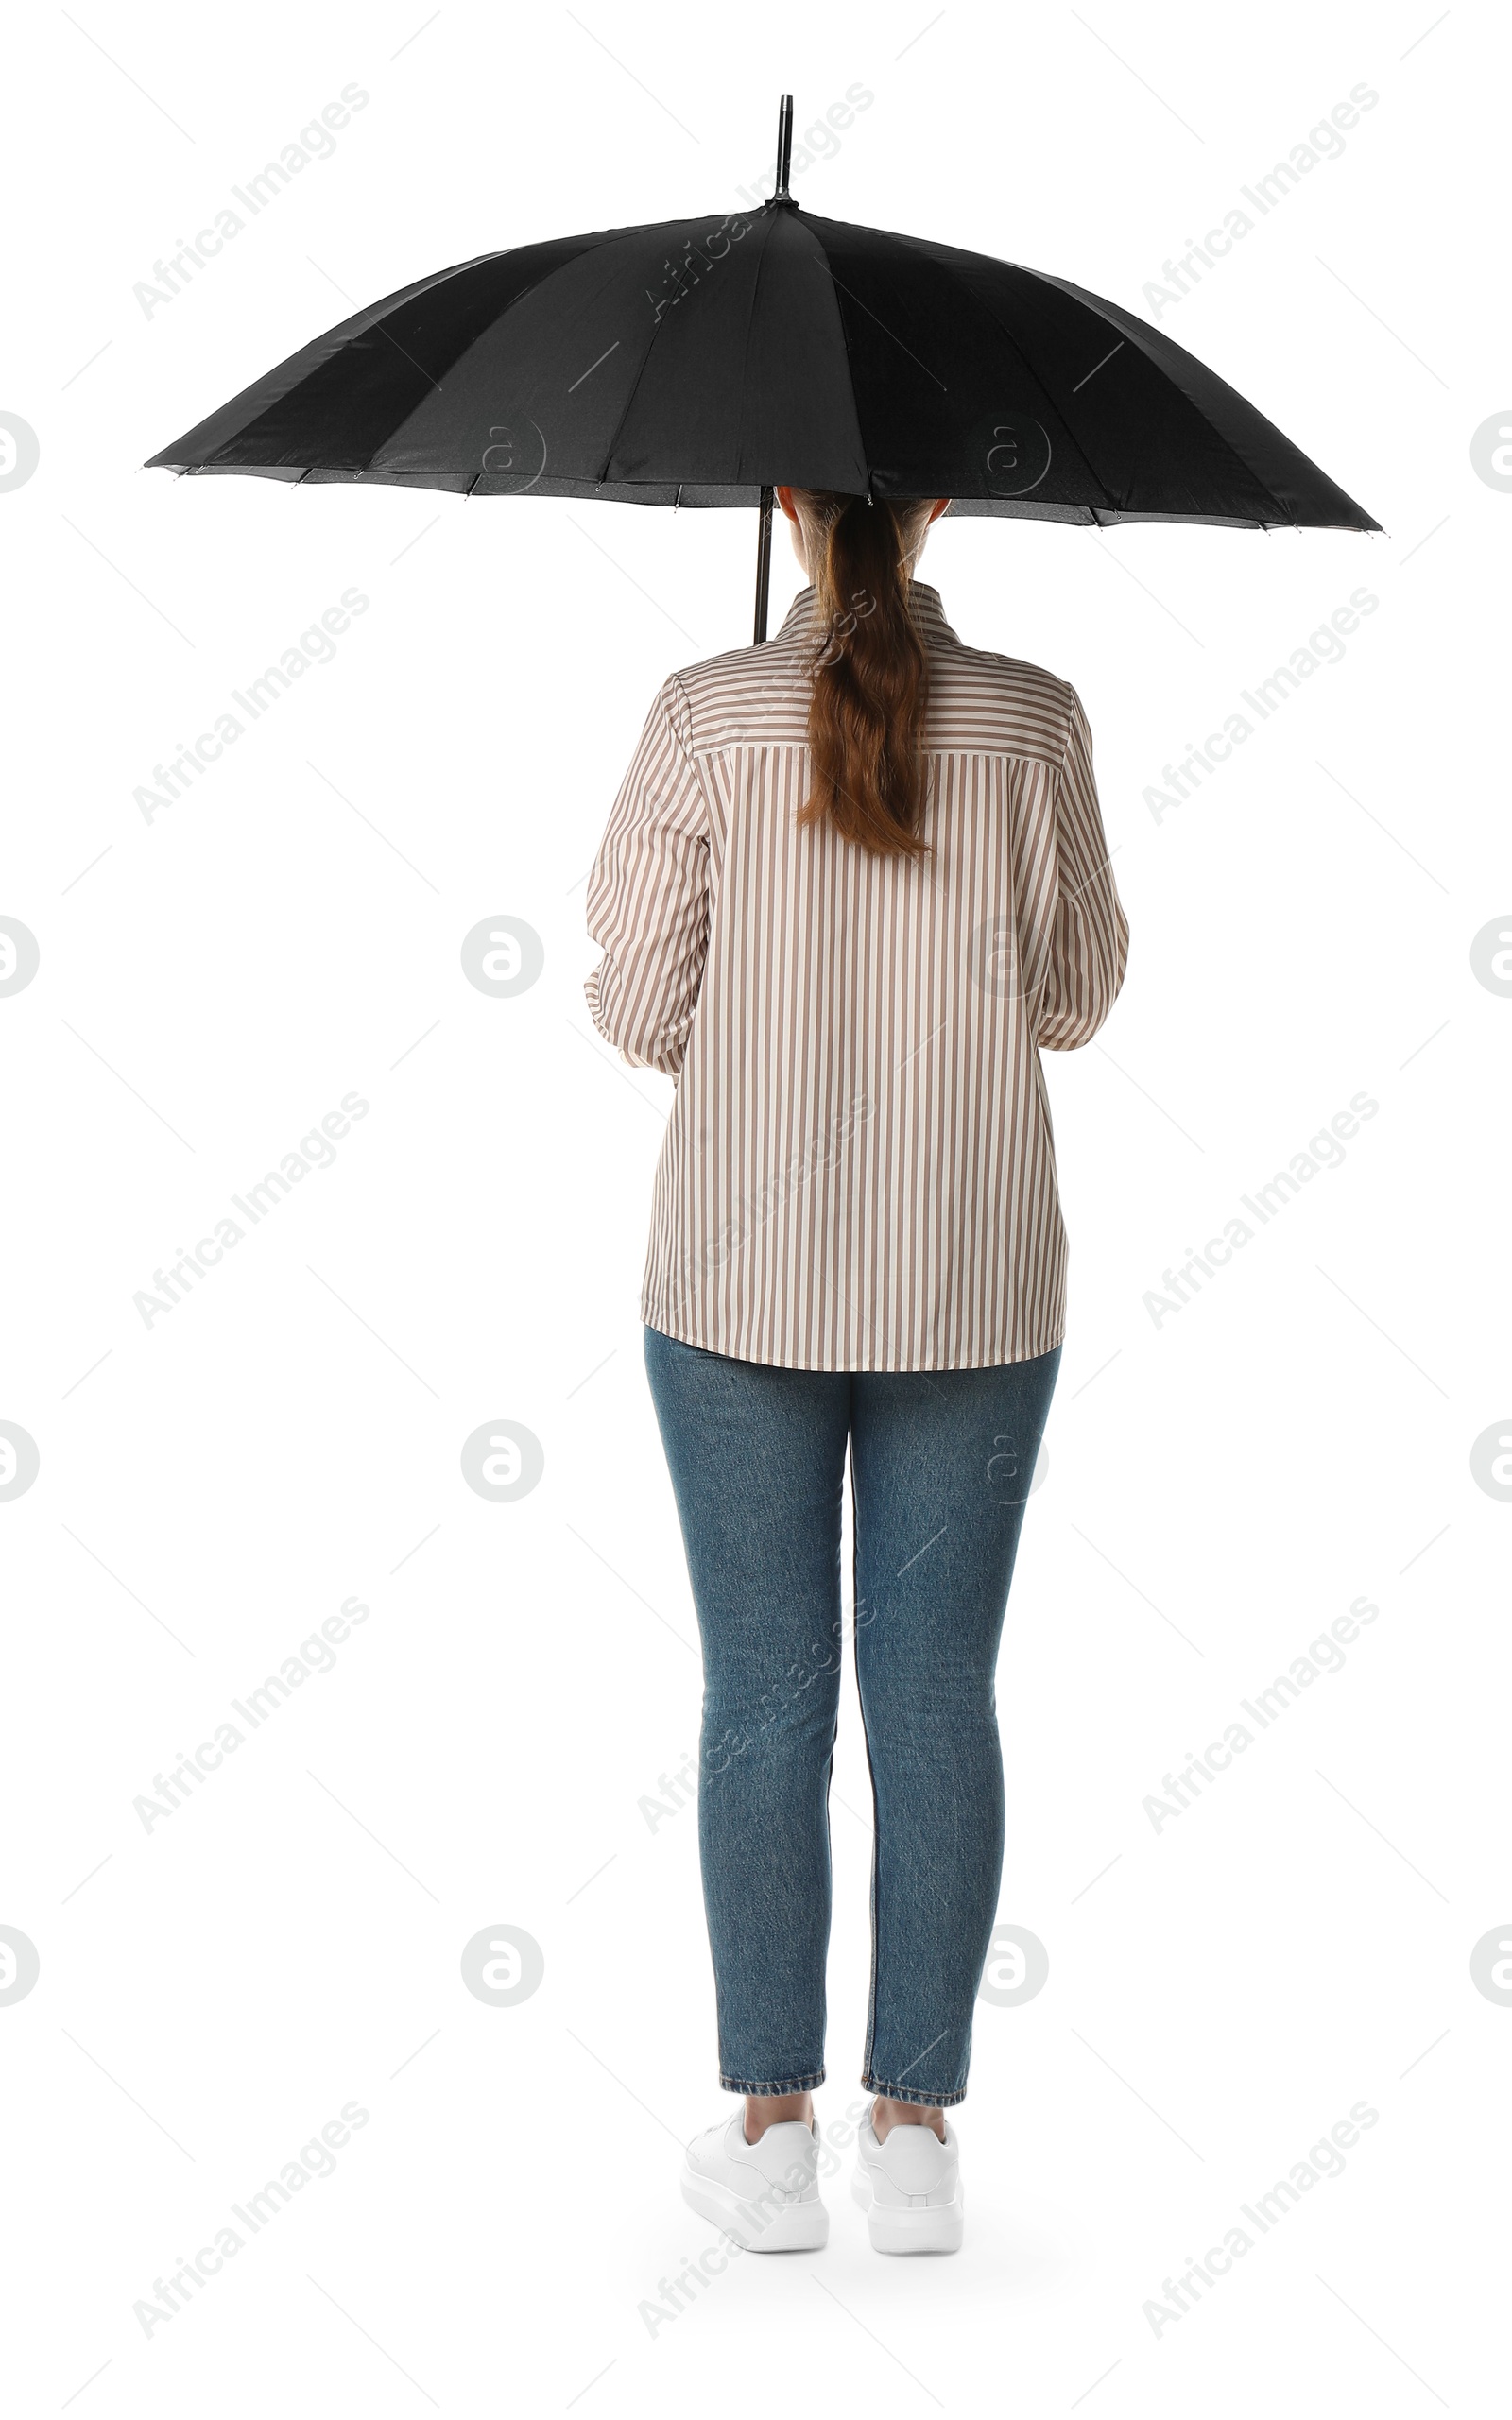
x=882 y=325
x=1132 y=335
x=750 y=323
x=434 y=388
x=635 y=387
x=388 y=333
x=361 y=323
x=917 y=244
x=515 y=300
x=823 y=259
x=377 y=327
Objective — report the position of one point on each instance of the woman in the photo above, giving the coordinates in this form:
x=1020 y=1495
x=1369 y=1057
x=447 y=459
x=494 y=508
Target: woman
x=854 y=882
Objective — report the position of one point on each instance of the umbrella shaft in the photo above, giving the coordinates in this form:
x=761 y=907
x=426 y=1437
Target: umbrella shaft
x=764 y=564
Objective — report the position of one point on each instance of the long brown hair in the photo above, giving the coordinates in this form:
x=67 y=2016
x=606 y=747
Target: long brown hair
x=870 y=669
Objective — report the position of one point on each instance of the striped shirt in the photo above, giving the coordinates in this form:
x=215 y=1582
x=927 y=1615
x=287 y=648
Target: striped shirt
x=858 y=1171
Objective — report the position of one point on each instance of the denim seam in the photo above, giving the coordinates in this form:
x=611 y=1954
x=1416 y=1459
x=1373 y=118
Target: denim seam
x=905 y=2092
x=871 y=1770
x=770 y=2091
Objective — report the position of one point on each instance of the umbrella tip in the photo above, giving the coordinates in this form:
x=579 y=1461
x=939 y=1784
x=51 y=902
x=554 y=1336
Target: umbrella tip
x=784 y=146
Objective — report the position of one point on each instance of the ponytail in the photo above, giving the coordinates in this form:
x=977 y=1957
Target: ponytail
x=871 y=670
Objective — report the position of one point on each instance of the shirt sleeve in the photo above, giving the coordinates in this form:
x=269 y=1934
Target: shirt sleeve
x=1090 y=943
x=648 y=896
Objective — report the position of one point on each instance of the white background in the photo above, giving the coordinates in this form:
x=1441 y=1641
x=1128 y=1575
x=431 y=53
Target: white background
x=1221 y=1486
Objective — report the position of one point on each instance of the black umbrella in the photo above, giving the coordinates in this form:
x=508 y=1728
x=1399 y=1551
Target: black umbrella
x=705 y=361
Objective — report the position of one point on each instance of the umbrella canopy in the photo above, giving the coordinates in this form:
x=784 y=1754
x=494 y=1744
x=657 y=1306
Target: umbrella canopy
x=702 y=362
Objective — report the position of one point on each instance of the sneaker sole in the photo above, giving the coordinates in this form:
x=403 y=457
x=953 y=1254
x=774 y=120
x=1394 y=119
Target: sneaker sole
x=939 y=2228
x=791 y=2226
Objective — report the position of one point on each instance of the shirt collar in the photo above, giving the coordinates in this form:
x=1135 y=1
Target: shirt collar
x=923 y=600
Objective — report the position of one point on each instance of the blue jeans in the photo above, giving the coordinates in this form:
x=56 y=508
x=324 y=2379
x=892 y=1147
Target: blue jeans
x=941 y=1463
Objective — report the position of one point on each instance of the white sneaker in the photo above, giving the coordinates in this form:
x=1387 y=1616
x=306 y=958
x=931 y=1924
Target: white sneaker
x=766 y=2194
x=909 y=2184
